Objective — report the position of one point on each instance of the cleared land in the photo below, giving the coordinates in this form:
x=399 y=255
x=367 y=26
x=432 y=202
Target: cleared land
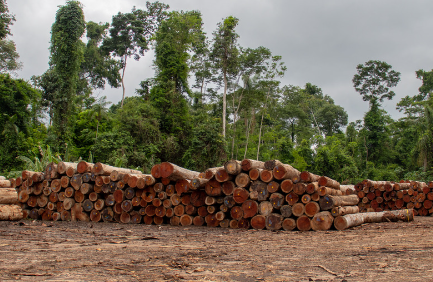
x=81 y=251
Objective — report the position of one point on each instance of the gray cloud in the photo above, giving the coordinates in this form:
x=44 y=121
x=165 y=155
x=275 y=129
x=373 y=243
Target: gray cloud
x=320 y=41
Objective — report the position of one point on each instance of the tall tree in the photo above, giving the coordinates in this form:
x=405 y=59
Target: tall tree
x=66 y=58
x=8 y=52
x=131 y=34
x=374 y=79
x=224 y=54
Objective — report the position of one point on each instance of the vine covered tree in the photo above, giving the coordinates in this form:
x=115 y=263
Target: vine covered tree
x=66 y=58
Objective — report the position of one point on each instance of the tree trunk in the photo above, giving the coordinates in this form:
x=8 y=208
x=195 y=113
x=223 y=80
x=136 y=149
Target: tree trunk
x=123 y=82
x=8 y=196
x=351 y=220
x=224 y=103
x=174 y=172
x=328 y=202
x=285 y=171
x=11 y=212
x=322 y=221
x=261 y=125
x=248 y=164
x=340 y=211
x=210 y=172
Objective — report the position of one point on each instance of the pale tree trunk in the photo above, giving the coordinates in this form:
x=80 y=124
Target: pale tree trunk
x=123 y=83
x=248 y=137
x=261 y=124
x=224 y=104
x=235 y=117
x=97 y=127
x=320 y=132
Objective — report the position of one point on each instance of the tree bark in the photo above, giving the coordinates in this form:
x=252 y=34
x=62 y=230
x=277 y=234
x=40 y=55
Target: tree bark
x=248 y=164
x=328 y=202
x=285 y=171
x=11 y=212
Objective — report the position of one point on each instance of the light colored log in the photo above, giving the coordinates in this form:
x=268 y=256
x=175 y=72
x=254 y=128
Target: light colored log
x=11 y=212
x=328 y=202
x=8 y=196
x=351 y=220
x=174 y=172
x=340 y=211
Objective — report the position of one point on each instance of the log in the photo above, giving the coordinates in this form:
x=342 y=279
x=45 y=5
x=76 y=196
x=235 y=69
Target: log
x=225 y=223
x=233 y=167
x=250 y=208
x=303 y=223
x=254 y=173
x=274 y=221
x=228 y=188
x=210 y=172
x=323 y=191
x=298 y=209
x=340 y=211
x=8 y=196
x=311 y=209
x=312 y=187
x=11 y=212
x=242 y=180
x=322 y=221
x=273 y=186
x=309 y=177
x=328 y=202
x=299 y=189
x=197 y=183
x=286 y=211
x=104 y=169
x=62 y=167
x=351 y=220
x=270 y=164
x=328 y=182
x=174 y=172
x=265 y=208
x=236 y=212
x=286 y=186
x=305 y=199
x=185 y=220
x=5 y=184
x=240 y=195
x=292 y=198
x=277 y=200
x=222 y=175
x=248 y=164
x=266 y=175
x=198 y=221
x=258 y=222
x=348 y=189
x=289 y=224
x=285 y=171
x=83 y=167
x=213 y=188
x=211 y=220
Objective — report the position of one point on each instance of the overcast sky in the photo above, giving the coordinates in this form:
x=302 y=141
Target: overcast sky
x=320 y=41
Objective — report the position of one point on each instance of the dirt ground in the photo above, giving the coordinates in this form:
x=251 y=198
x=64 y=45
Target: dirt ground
x=82 y=251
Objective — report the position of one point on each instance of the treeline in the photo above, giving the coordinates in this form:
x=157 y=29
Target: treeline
x=210 y=100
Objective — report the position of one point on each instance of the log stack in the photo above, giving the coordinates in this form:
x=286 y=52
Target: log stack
x=240 y=194
x=377 y=196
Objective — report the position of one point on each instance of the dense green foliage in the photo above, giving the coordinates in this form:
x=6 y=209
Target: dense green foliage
x=210 y=100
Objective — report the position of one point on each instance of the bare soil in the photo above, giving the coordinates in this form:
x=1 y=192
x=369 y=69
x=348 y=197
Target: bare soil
x=82 y=251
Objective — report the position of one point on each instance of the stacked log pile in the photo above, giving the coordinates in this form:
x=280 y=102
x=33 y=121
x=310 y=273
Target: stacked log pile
x=241 y=194
x=377 y=196
x=9 y=208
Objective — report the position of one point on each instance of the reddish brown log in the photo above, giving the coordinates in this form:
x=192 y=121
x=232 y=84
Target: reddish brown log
x=222 y=175
x=299 y=188
x=233 y=167
x=328 y=182
x=129 y=193
x=83 y=167
x=213 y=188
x=287 y=186
x=312 y=187
x=179 y=210
x=240 y=195
x=311 y=209
x=248 y=164
x=236 y=212
x=210 y=172
x=306 y=198
x=323 y=191
x=266 y=175
x=211 y=220
x=198 y=198
x=322 y=221
x=285 y=171
x=271 y=164
x=174 y=172
x=303 y=223
x=340 y=211
x=254 y=173
x=315 y=197
x=292 y=198
x=309 y=177
x=229 y=201
x=228 y=188
x=225 y=223
x=202 y=211
x=273 y=187
x=244 y=223
x=258 y=222
x=220 y=216
x=250 y=208
x=185 y=220
x=182 y=186
x=289 y=224
x=198 y=221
